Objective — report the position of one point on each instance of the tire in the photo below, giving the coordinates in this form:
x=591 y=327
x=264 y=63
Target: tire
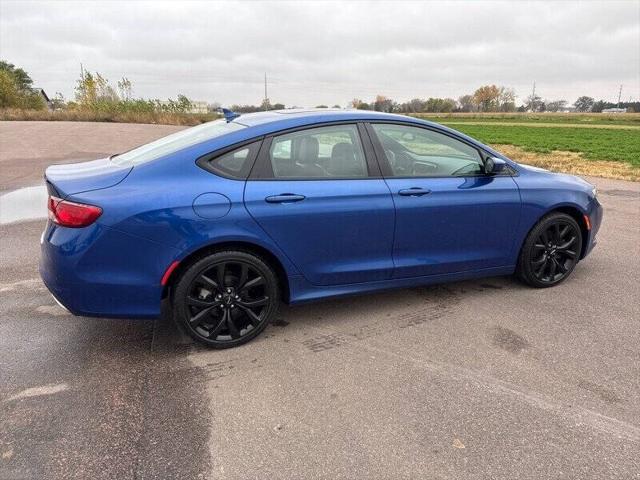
x=226 y=299
x=550 y=252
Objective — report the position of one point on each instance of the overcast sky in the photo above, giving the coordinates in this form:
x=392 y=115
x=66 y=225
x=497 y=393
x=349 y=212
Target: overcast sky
x=329 y=53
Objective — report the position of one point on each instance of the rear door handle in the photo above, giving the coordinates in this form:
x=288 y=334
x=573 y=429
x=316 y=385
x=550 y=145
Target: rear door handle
x=284 y=198
x=414 y=192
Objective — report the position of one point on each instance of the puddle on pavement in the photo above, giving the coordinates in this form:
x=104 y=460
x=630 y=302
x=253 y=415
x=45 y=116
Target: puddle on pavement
x=24 y=204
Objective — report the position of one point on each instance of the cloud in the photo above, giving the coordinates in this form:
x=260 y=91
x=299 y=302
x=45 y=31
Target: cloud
x=328 y=52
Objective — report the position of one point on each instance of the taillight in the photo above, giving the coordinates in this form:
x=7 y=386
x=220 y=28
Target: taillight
x=71 y=214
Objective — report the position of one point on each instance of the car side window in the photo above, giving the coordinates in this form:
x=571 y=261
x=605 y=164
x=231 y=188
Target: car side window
x=234 y=164
x=322 y=152
x=419 y=152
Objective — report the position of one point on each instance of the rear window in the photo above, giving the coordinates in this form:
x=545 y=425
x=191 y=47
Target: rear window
x=176 y=141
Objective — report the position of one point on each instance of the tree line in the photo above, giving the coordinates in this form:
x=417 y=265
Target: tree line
x=488 y=98
x=16 y=89
x=95 y=93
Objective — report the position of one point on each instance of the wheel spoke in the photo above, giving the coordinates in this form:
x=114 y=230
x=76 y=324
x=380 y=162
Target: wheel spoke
x=220 y=272
x=201 y=315
x=255 y=319
x=537 y=263
x=564 y=231
x=569 y=253
x=567 y=244
x=556 y=232
x=552 y=269
x=560 y=266
x=545 y=238
x=244 y=274
x=540 y=271
x=253 y=303
x=252 y=283
x=221 y=324
x=233 y=330
x=539 y=246
x=209 y=282
x=196 y=302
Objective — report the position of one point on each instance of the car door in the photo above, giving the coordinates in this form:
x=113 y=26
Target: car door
x=450 y=216
x=317 y=194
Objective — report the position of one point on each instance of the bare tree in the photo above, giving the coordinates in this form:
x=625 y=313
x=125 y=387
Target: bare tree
x=584 y=104
x=555 y=105
x=467 y=103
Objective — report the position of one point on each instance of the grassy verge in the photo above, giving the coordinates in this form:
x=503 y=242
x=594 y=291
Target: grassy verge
x=163 y=118
x=571 y=162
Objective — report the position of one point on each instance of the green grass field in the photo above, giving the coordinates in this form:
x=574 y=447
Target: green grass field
x=606 y=145
x=620 y=145
x=582 y=119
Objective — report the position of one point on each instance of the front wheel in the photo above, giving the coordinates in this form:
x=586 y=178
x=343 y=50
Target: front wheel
x=550 y=251
x=226 y=299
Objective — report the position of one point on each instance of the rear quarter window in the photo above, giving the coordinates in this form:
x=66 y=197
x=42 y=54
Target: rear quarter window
x=235 y=163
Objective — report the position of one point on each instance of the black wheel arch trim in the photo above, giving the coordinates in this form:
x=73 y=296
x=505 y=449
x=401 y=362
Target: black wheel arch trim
x=260 y=251
x=575 y=212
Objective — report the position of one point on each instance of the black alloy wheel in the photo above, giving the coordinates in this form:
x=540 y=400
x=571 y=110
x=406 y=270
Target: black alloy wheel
x=226 y=299
x=551 y=251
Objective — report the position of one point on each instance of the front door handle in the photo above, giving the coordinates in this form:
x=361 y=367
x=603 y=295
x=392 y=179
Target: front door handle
x=414 y=192
x=284 y=198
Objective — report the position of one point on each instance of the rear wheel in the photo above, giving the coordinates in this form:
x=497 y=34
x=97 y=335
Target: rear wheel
x=551 y=251
x=226 y=299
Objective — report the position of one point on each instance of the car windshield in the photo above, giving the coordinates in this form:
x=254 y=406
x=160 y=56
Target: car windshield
x=176 y=141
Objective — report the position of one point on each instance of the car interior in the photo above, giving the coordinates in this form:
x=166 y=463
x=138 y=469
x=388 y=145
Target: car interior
x=419 y=155
x=324 y=154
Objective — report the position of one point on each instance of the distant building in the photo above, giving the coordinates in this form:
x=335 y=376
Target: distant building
x=614 y=110
x=567 y=109
x=44 y=96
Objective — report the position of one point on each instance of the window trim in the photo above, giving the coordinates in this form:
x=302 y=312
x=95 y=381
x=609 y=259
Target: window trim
x=263 y=170
x=387 y=171
x=205 y=161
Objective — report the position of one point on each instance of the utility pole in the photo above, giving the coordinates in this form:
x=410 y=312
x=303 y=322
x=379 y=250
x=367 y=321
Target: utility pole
x=82 y=92
x=533 y=97
x=266 y=98
x=619 y=95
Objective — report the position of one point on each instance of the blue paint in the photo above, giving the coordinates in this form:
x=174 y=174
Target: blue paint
x=341 y=236
x=211 y=205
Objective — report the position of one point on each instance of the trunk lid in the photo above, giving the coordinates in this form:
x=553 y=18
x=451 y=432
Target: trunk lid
x=82 y=177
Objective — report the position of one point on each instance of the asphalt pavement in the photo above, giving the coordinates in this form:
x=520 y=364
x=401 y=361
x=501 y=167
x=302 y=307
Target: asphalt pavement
x=469 y=380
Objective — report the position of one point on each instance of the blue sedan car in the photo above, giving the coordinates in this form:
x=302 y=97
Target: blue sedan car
x=231 y=217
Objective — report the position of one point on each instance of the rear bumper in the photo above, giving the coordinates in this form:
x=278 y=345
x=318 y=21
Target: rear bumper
x=100 y=272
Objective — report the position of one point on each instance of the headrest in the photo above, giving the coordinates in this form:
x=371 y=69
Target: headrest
x=308 y=150
x=343 y=160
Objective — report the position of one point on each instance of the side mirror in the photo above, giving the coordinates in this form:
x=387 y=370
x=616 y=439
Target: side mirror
x=493 y=165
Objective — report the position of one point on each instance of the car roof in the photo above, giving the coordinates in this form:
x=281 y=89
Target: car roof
x=265 y=123
x=271 y=122
x=279 y=119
